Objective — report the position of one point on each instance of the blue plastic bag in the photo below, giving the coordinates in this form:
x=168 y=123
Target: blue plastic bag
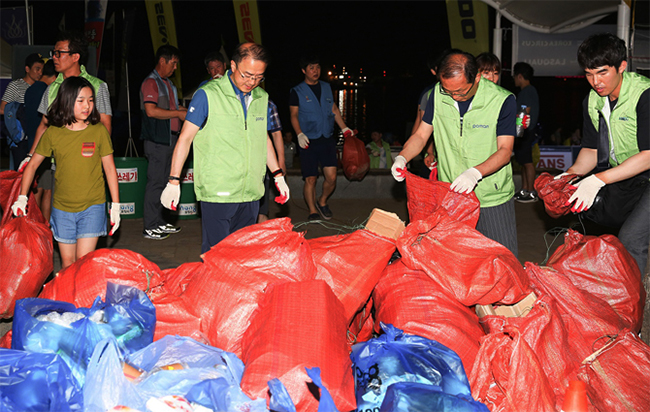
x=281 y=400
x=221 y=395
x=128 y=316
x=409 y=396
x=399 y=357
x=37 y=382
x=201 y=363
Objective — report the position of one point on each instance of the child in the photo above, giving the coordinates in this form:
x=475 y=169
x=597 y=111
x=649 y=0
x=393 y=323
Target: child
x=489 y=66
x=81 y=146
x=379 y=151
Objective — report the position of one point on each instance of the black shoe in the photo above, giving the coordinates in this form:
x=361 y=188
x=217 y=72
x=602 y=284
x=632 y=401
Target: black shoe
x=324 y=211
x=520 y=194
x=529 y=197
x=155 y=234
x=167 y=228
x=314 y=216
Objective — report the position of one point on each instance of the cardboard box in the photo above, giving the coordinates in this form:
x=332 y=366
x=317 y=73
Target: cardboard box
x=385 y=224
x=519 y=309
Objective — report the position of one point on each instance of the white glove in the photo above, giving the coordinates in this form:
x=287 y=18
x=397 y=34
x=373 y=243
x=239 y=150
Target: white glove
x=561 y=175
x=170 y=196
x=347 y=132
x=115 y=217
x=399 y=168
x=467 y=180
x=587 y=190
x=303 y=141
x=24 y=163
x=281 y=184
x=19 y=208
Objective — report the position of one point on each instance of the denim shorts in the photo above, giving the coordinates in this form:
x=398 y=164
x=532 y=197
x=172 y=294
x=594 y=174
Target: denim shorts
x=67 y=227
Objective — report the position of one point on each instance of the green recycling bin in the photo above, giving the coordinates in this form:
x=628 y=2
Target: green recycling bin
x=188 y=207
x=132 y=181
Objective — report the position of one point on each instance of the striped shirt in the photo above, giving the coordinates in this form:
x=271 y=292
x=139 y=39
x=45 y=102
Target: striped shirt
x=15 y=91
x=274 y=124
x=102 y=101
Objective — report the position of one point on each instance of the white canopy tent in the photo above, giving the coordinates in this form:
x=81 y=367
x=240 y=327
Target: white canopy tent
x=558 y=16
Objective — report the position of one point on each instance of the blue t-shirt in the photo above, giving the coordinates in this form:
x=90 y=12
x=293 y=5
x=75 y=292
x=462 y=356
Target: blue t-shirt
x=506 y=125
x=33 y=96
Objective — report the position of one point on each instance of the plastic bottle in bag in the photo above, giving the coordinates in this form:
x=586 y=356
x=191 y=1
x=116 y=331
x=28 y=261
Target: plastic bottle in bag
x=520 y=120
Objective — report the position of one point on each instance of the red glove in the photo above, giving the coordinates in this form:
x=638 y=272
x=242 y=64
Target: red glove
x=347 y=132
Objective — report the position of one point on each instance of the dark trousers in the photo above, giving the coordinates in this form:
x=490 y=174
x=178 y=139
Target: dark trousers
x=635 y=232
x=160 y=162
x=19 y=153
x=218 y=220
x=498 y=223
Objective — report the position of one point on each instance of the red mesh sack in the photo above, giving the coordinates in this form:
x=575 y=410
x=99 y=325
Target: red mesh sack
x=226 y=290
x=617 y=375
x=25 y=247
x=355 y=160
x=298 y=325
x=26 y=255
x=176 y=279
x=412 y=301
x=604 y=268
x=5 y=341
x=555 y=193
x=545 y=332
x=472 y=268
x=173 y=316
x=84 y=280
x=350 y=273
x=587 y=317
x=508 y=377
x=425 y=196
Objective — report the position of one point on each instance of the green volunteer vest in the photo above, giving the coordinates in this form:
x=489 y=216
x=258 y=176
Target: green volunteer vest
x=622 y=120
x=230 y=150
x=54 y=87
x=459 y=148
x=374 y=160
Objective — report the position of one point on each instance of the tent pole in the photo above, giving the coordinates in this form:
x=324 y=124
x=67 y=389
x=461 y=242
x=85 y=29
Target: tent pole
x=30 y=36
x=497 y=40
x=623 y=24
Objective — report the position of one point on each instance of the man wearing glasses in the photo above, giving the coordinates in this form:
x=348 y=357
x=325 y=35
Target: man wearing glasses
x=228 y=122
x=473 y=125
x=69 y=53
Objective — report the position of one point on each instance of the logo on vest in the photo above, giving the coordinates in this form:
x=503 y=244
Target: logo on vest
x=623 y=118
x=480 y=126
x=259 y=119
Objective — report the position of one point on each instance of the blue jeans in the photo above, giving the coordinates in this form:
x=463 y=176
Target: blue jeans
x=67 y=227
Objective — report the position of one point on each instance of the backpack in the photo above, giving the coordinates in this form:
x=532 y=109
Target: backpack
x=14 y=112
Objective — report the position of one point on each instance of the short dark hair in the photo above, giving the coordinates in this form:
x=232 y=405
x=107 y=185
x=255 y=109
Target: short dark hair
x=77 y=43
x=488 y=61
x=253 y=50
x=433 y=62
x=48 y=68
x=308 y=59
x=61 y=113
x=458 y=62
x=602 y=49
x=212 y=56
x=168 y=52
x=525 y=69
x=33 y=58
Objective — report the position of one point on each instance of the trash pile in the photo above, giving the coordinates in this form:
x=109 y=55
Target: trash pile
x=272 y=321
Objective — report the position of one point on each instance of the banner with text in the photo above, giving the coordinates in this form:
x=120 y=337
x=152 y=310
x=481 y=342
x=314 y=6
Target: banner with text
x=553 y=54
x=248 y=21
x=163 y=30
x=468 y=26
x=94 y=25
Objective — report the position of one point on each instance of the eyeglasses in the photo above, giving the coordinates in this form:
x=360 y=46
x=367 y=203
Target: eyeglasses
x=57 y=53
x=247 y=77
x=457 y=94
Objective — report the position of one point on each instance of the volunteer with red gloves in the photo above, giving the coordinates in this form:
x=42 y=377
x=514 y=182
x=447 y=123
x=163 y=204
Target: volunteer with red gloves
x=228 y=121
x=473 y=129
x=617 y=111
x=313 y=113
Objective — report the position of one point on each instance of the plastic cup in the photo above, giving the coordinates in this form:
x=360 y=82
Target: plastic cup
x=575 y=399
